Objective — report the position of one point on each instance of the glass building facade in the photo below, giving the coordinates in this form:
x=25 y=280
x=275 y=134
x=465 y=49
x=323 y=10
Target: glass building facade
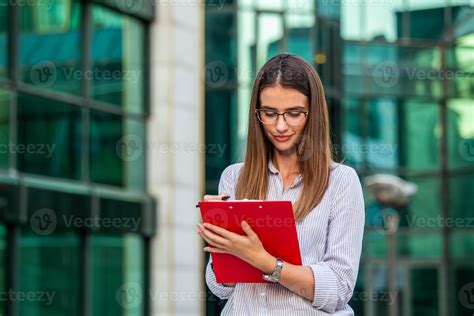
x=75 y=216
x=399 y=80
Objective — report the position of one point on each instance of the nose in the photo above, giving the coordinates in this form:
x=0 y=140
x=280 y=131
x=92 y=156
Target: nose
x=281 y=124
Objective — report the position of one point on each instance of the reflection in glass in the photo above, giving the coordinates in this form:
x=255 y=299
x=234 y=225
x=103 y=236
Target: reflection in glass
x=49 y=265
x=118 y=59
x=49 y=137
x=49 y=46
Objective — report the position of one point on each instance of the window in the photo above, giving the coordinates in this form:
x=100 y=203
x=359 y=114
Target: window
x=49 y=45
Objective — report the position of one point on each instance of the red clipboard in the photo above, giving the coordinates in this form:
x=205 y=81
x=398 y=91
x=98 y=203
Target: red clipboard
x=272 y=221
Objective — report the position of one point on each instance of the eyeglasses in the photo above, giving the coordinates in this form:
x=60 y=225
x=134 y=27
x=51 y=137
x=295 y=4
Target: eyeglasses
x=294 y=117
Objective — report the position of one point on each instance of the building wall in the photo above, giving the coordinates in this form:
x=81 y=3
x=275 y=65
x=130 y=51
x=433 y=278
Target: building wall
x=175 y=170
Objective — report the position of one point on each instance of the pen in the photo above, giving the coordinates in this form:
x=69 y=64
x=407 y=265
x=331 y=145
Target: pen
x=224 y=198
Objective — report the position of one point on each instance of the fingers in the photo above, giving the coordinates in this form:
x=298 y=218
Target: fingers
x=208 y=197
x=210 y=237
x=221 y=231
x=247 y=229
x=214 y=250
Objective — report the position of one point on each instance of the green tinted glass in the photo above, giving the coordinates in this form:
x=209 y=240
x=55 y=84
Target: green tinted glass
x=3 y=37
x=105 y=153
x=462 y=294
x=424 y=291
x=351 y=135
x=221 y=55
x=461 y=242
x=49 y=45
x=4 y=127
x=132 y=151
x=424 y=208
x=118 y=276
x=460 y=116
x=420 y=245
x=461 y=198
x=419 y=143
x=2 y=265
x=49 y=137
x=381 y=148
x=118 y=44
x=49 y=273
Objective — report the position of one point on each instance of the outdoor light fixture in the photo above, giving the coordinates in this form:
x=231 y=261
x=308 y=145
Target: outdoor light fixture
x=389 y=189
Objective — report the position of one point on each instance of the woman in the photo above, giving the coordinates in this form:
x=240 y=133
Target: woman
x=289 y=158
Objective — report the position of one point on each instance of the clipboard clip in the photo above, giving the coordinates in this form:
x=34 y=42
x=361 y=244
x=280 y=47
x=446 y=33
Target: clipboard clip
x=224 y=198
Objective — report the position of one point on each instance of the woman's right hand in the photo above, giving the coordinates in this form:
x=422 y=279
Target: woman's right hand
x=218 y=198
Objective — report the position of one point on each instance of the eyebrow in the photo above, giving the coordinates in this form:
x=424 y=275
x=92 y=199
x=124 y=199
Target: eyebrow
x=265 y=107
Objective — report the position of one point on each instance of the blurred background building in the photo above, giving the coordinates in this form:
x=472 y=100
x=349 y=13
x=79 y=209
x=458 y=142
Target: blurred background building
x=117 y=115
x=399 y=79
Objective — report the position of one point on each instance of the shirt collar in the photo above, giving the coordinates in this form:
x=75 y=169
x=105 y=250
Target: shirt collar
x=272 y=167
x=274 y=170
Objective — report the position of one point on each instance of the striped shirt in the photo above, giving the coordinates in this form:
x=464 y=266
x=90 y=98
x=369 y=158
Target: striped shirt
x=330 y=240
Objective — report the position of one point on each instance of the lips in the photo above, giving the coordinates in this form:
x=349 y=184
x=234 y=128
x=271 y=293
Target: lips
x=282 y=138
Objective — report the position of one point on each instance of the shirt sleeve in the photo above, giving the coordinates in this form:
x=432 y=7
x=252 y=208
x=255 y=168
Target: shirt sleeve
x=226 y=184
x=336 y=274
x=218 y=289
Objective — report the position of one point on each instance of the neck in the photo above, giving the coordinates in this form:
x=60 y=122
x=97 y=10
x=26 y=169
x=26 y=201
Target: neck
x=286 y=164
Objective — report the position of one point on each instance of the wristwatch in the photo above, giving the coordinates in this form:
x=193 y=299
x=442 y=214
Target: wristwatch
x=275 y=276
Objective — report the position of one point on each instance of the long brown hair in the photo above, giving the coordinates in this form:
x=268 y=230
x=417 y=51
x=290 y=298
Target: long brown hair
x=313 y=147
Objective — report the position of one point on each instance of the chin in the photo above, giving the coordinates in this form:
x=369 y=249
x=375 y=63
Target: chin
x=283 y=147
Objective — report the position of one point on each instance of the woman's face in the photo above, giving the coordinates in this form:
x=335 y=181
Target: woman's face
x=279 y=99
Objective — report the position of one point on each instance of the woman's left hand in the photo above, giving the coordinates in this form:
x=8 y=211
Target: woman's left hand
x=248 y=248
